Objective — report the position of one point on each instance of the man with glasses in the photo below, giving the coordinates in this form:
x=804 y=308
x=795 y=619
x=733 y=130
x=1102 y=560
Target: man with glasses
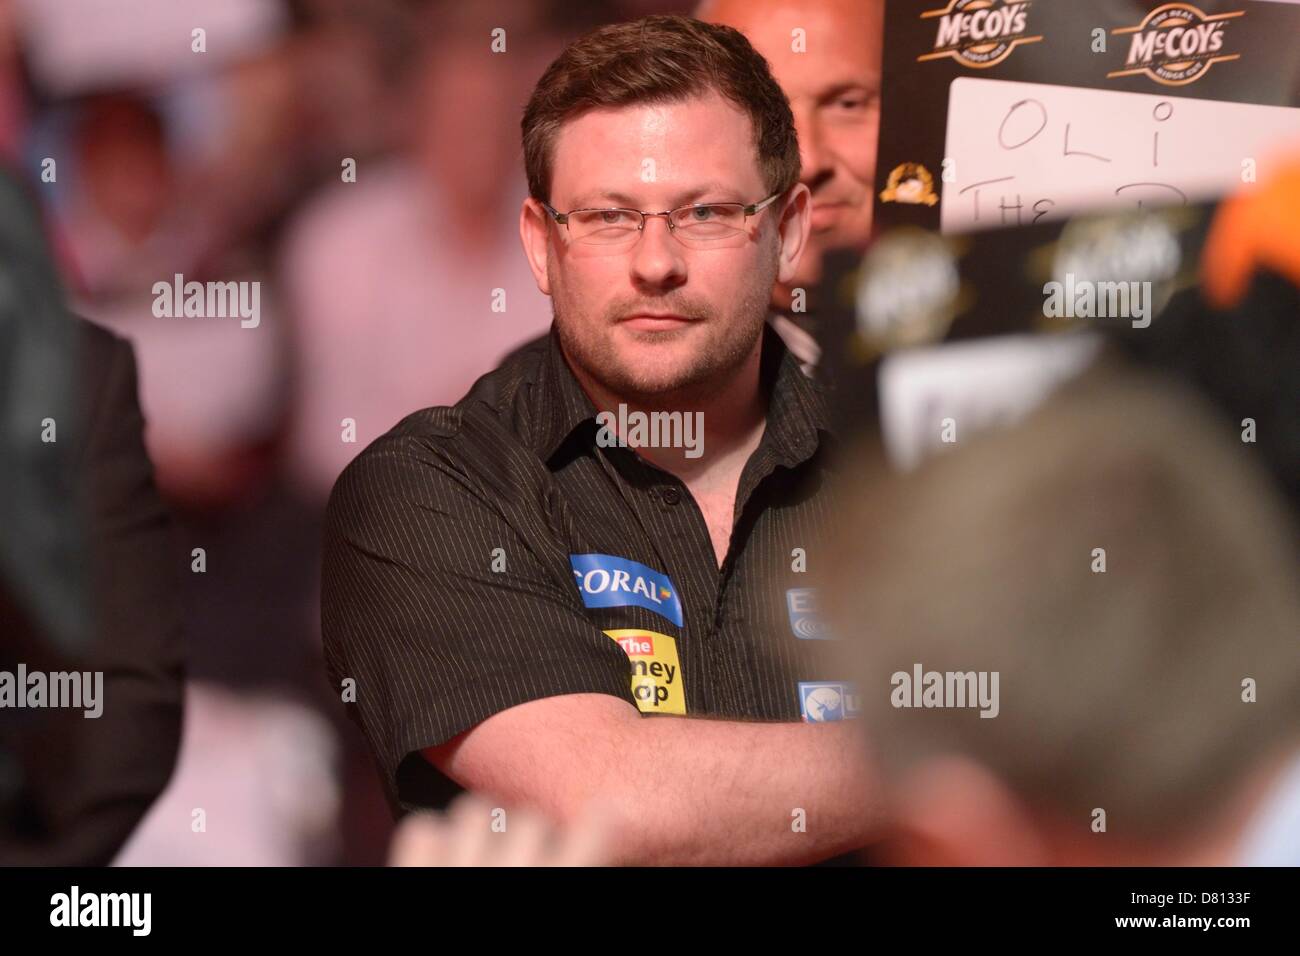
x=523 y=600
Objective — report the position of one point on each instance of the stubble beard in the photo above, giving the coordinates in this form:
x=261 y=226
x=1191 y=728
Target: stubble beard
x=706 y=372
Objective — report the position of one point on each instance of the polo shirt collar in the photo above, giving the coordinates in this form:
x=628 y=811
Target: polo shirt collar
x=796 y=415
x=563 y=404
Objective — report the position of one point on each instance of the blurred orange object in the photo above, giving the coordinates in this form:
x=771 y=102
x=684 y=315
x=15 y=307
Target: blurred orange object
x=1253 y=229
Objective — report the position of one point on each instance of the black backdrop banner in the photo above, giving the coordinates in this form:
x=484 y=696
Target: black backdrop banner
x=436 y=908
x=1244 y=52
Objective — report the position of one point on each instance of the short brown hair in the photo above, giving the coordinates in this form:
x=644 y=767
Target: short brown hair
x=660 y=59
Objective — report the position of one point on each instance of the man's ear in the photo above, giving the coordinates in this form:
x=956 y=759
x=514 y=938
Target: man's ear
x=534 y=229
x=954 y=812
x=795 y=224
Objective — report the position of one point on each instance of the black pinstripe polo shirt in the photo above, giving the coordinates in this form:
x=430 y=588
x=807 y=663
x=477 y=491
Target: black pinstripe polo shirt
x=491 y=553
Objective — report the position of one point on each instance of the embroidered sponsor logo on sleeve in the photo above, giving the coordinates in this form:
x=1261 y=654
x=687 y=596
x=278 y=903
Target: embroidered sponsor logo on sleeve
x=656 y=672
x=822 y=701
x=805 y=621
x=607 y=581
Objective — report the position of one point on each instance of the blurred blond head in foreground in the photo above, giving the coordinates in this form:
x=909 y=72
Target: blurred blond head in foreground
x=1147 y=713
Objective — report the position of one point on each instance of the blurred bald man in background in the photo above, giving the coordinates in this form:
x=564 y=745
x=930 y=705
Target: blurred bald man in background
x=830 y=72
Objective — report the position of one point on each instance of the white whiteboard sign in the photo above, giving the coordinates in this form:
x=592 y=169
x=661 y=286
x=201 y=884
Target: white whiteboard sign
x=1020 y=153
x=976 y=385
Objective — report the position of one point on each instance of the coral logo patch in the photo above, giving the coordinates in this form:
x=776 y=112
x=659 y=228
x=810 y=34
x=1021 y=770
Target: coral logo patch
x=607 y=581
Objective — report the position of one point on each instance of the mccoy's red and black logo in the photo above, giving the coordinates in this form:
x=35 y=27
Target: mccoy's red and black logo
x=979 y=33
x=1176 y=44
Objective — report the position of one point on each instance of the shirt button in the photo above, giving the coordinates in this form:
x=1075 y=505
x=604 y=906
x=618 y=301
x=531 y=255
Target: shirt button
x=671 y=495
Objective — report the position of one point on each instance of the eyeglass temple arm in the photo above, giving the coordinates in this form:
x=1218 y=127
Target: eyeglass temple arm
x=561 y=217
x=759 y=206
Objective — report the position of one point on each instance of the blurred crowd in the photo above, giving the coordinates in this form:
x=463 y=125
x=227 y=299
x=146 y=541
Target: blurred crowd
x=359 y=161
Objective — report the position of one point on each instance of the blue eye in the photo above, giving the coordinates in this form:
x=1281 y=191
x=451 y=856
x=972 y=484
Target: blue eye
x=604 y=225
x=710 y=221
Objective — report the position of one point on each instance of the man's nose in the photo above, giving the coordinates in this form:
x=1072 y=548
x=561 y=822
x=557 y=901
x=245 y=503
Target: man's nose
x=657 y=259
x=814 y=158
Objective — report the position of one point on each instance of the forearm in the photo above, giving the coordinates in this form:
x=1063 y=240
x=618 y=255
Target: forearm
x=675 y=790
x=713 y=792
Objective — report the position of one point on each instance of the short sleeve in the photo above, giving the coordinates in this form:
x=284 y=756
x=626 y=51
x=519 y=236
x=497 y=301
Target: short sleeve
x=444 y=603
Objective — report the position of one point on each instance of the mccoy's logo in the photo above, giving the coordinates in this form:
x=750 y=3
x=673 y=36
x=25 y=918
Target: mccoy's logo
x=979 y=33
x=1176 y=44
